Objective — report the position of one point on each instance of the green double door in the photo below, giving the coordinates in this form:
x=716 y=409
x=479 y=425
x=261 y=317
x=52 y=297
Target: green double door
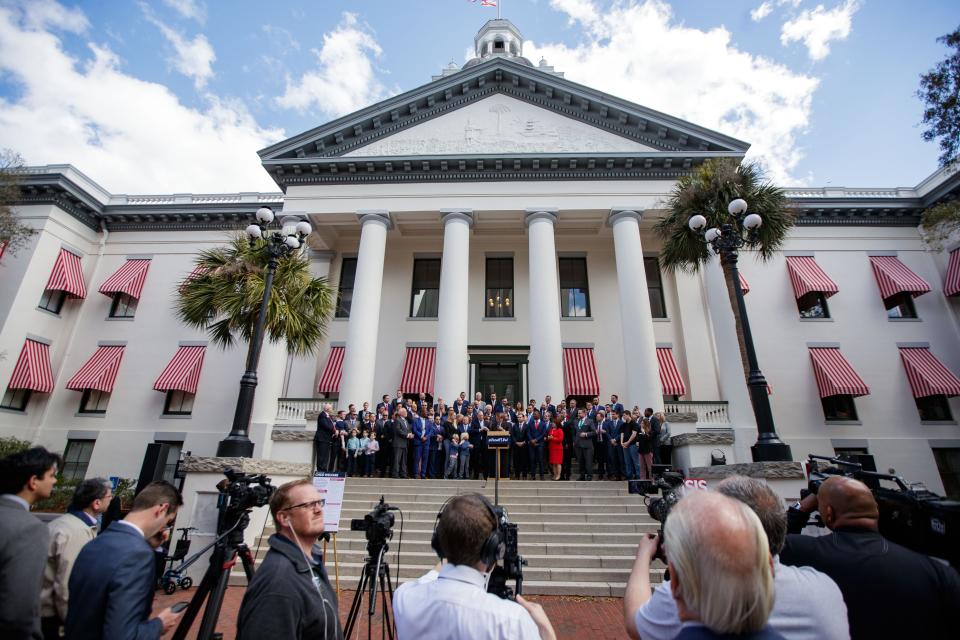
x=502 y=379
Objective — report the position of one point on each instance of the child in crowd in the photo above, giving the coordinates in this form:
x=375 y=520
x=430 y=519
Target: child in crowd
x=362 y=453
x=465 y=447
x=353 y=446
x=453 y=452
x=371 y=453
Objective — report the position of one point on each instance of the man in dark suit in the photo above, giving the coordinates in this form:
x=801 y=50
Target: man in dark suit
x=600 y=443
x=460 y=403
x=479 y=429
x=25 y=477
x=384 y=404
x=536 y=441
x=586 y=432
x=519 y=460
x=323 y=439
x=654 y=433
x=396 y=403
x=112 y=582
x=614 y=451
x=401 y=435
x=421 y=446
x=615 y=404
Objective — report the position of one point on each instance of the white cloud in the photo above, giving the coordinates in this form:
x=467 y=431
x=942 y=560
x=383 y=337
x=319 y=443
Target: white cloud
x=641 y=52
x=193 y=58
x=127 y=134
x=762 y=11
x=817 y=28
x=43 y=14
x=190 y=9
x=345 y=78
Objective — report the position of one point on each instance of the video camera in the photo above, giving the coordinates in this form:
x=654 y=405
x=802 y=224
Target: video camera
x=669 y=485
x=910 y=514
x=513 y=562
x=241 y=492
x=378 y=525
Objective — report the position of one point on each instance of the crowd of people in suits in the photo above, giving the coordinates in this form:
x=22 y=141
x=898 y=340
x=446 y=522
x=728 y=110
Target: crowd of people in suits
x=409 y=436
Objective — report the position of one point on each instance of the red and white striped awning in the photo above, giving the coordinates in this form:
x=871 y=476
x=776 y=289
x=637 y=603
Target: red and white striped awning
x=670 y=377
x=744 y=285
x=194 y=273
x=806 y=276
x=894 y=277
x=183 y=372
x=418 y=370
x=100 y=371
x=834 y=375
x=3 y=247
x=33 y=370
x=580 y=372
x=951 y=284
x=927 y=375
x=127 y=279
x=67 y=275
x=330 y=380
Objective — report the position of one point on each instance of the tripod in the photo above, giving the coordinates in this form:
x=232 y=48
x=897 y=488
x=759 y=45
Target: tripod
x=376 y=573
x=226 y=548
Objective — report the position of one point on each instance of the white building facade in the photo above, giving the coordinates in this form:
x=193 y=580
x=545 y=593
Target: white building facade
x=490 y=231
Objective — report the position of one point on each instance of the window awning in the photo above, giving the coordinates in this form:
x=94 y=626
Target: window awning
x=744 y=285
x=927 y=375
x=894 y=277
x=196 y=272
x=33 y=370
x=67 y=275
x=951 y=284
x=418 y=370
x=3 y=247
x=580 y=372
x=806 y=276
x=183 y=372
x=100 y=371
x=127 y=279
x=834 y=375
x=333 y=372
x=670 y=378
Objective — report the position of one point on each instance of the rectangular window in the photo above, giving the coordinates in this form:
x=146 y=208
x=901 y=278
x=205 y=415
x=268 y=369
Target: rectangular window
x=94 y=401
x=574 y=292
x=948 y=464
x=173 y=457
x=348 y=273
x=52 y=300
x=841 y=452
x=839 y=408
x=813 y=305
x=178 y=403
x=500 y=302
x=900 y=306
x=934 y=408
x=123 y=306
x=425 y=296
x=658 y=306
x=76 y=459
x=15 y=399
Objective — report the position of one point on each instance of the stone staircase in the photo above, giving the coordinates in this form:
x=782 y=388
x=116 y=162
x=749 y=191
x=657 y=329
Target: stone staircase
x=579 y=538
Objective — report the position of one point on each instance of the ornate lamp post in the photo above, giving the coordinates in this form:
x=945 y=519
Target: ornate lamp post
x=734 y=232
x=276 y=245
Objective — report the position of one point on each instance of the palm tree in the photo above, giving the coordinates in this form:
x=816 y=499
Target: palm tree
x=224 y=294
x=707 y=191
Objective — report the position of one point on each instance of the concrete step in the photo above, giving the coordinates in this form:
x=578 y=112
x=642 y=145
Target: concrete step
x=513 y=487
x=517 y=515
x=526 y=526
x=549 y=561
x=397 y=498
x=422 y=545
x=623 y=505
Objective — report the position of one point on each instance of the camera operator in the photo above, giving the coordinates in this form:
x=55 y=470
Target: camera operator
x=890 y=590
x=807 y=603
x=290 y=595
x=453 y=602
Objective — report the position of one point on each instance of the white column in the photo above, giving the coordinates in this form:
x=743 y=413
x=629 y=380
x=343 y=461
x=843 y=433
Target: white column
x=694 y=319
x=451 y=365
x=639 y=343
x=363 y=328
x=546 y=351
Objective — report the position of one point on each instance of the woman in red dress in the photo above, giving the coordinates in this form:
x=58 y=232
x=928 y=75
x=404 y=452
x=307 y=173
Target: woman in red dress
x=555 y=448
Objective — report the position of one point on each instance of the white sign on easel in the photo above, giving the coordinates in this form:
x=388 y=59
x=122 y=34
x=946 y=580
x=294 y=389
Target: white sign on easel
x=331 y=486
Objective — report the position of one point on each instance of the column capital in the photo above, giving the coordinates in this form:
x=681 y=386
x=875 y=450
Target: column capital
x=375 y=215
x=619 y=213
x=545 y=213
x=446 y=215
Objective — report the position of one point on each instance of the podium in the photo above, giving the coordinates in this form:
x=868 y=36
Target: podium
x=498 y=446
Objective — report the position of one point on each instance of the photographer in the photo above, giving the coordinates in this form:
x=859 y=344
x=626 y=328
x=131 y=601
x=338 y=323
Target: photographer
x=453 y=602
x=807 y=603
x=872 y=571
x=290 y=595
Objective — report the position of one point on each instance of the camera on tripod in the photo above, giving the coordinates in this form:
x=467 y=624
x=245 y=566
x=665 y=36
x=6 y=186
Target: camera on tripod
x=242 y=491
x=378 y=524
x=512 y=566
x=669 y=485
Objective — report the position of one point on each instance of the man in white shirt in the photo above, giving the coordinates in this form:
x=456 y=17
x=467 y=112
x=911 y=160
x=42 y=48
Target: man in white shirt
x=453 y=602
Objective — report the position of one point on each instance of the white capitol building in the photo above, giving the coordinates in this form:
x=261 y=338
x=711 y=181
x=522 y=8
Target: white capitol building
x=489 y=231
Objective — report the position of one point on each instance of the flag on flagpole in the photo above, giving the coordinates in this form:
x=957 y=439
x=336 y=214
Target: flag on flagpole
x=486 y=3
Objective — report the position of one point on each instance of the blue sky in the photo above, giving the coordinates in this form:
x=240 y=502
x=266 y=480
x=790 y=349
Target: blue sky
x=178 y=95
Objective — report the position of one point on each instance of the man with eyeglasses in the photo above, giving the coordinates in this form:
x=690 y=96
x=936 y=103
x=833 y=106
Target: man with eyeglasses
x=290 y=595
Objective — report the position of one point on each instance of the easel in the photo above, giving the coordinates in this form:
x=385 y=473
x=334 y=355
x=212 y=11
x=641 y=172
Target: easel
x=336 y=558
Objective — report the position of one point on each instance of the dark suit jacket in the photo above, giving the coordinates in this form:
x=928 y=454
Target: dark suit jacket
x=401 y=429
x=23 y=554
x=589 y=428
x=325 y=428
x=111 y=588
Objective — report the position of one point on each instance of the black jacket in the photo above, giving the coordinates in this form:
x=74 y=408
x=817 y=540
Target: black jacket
x=282 y=600
x=325 y=428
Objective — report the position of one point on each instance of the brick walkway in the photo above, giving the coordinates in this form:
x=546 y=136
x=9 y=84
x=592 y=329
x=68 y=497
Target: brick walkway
x=572 y=618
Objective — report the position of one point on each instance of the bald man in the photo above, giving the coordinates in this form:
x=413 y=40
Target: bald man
x=890 y=591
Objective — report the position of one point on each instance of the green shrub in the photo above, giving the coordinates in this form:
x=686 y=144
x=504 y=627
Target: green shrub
x=9 y=446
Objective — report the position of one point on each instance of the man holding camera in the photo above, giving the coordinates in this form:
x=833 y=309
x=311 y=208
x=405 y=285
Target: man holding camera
x=290 y=595
x=453 y=602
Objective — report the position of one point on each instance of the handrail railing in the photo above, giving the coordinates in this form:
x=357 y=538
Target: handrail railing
x=293 y=410
x=709 y=413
